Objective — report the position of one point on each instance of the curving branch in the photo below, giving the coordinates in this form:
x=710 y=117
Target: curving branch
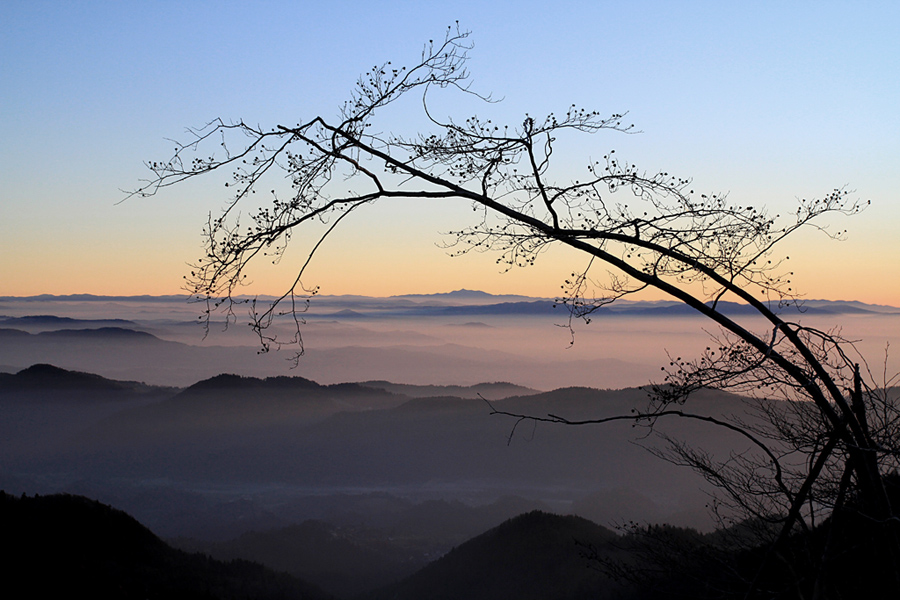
x=649 y=228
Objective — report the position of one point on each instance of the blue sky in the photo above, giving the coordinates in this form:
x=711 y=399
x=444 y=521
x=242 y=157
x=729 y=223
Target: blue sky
x=768 y=101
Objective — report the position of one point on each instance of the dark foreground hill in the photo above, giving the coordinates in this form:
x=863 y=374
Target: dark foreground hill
x=69 y=546
x=533 y=556
x=349 y=553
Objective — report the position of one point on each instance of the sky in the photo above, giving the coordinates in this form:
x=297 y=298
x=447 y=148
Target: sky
x=767 y=101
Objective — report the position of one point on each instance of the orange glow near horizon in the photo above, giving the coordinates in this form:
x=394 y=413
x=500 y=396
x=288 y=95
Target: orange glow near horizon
x=832 y=272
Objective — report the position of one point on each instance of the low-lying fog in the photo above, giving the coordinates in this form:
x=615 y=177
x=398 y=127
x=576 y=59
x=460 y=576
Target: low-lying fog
x=440 y=340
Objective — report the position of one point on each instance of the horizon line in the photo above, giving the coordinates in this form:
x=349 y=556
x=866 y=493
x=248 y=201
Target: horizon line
x=460 y=292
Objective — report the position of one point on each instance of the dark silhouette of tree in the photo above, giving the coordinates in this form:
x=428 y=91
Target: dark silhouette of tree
x=827 y=432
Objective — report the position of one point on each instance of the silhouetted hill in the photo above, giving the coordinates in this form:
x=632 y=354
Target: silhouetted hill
x=231 y=383
x=534 y=556
x=44 y=406
x=43 y=377
x=228 y=383
x=68 y=546
x=13 y=335
x=251 y=401
x=43 y=383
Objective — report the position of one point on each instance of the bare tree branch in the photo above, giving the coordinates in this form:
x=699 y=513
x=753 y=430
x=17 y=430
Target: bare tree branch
x=816 y=411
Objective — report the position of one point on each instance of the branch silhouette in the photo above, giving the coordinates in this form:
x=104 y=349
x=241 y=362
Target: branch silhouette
x=649 y=228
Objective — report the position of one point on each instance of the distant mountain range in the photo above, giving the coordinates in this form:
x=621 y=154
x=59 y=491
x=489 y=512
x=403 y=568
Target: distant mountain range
x=455 y=295
x=473 y=303
x=95 y=298
x=461 y=337
x=457 y=302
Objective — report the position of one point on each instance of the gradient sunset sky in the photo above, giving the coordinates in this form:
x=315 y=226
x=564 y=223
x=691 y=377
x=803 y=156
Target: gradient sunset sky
x=767 y=101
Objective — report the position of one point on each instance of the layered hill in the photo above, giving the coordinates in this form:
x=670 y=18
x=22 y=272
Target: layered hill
x=44 y=408
x=129 y=354
x=289 y=439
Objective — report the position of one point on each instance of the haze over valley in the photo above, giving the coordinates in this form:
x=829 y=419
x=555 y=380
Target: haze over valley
x=461 y=338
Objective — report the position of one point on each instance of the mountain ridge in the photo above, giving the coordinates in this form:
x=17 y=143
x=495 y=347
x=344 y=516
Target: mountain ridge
x=461 y=294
